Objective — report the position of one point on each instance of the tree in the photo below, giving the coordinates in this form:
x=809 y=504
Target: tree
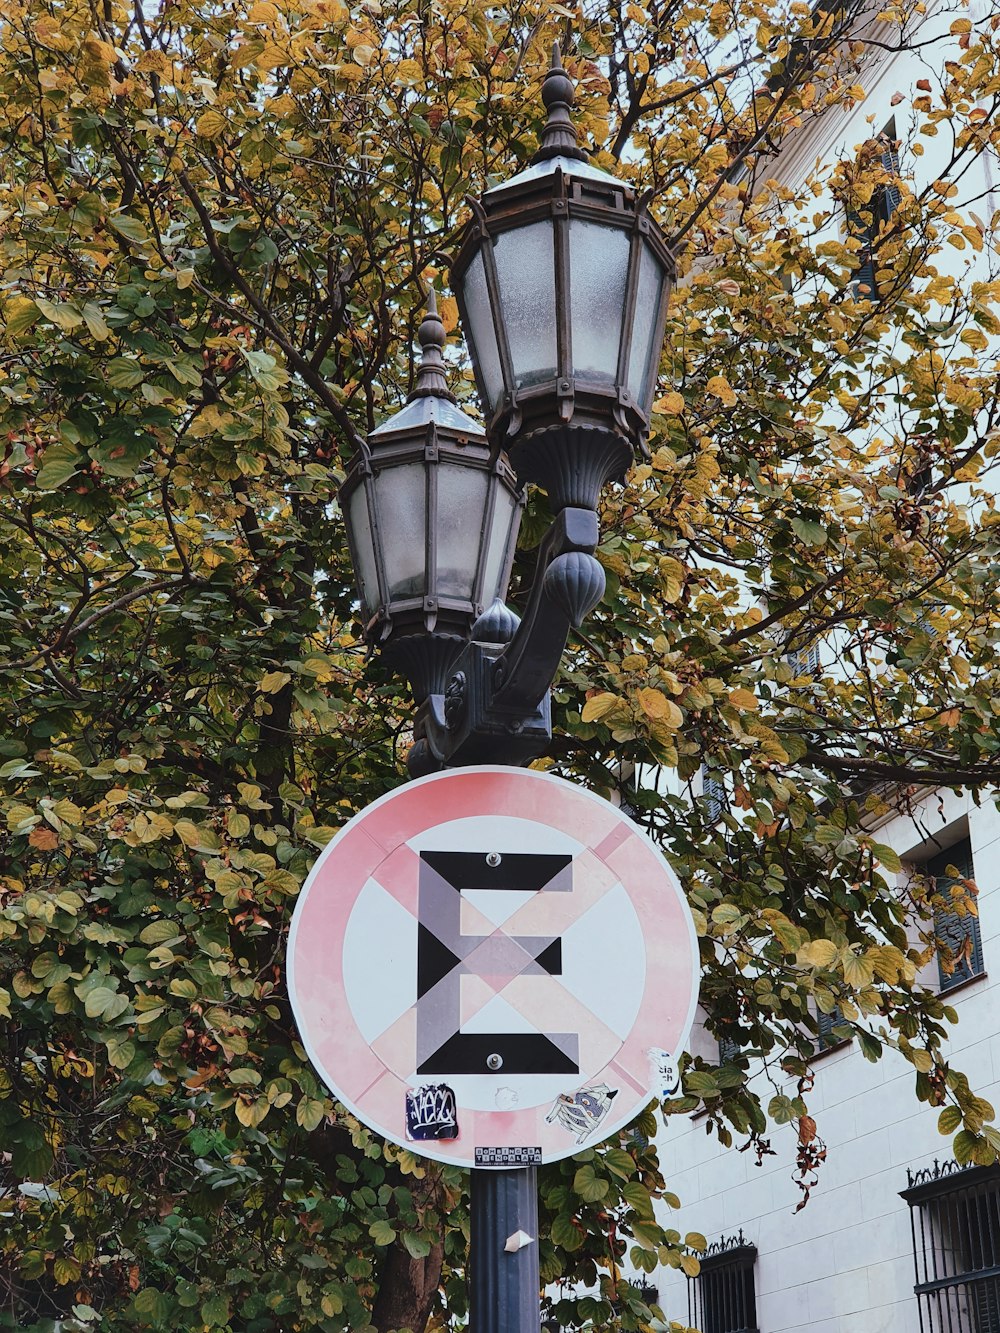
x=215 y=218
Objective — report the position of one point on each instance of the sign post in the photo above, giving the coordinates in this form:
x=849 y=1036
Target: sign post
x=494 y=968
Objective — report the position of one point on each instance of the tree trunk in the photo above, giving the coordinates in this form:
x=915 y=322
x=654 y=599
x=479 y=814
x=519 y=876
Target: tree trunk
x=407 y=1290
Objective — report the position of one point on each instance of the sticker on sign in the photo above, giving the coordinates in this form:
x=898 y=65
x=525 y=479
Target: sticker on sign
x=486 y=958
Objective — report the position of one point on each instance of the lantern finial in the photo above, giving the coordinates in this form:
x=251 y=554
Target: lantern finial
x=559 y=135
x=431 y=380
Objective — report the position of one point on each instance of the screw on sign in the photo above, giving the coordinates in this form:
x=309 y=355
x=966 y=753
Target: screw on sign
x=490 y=966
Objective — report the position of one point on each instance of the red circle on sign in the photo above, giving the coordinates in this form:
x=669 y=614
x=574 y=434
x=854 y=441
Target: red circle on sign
x=491 y=966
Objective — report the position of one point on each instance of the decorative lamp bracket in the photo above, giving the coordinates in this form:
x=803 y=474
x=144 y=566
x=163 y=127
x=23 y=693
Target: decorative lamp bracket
x=496 y=706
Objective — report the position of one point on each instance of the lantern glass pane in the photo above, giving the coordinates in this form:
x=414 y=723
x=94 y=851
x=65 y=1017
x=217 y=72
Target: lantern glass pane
x=402 y=516
x=461 y=509
x=525 y=260
x=481 y=333
x=361 y=535
x=598 y=277
x=506 y=516
x=644 y=358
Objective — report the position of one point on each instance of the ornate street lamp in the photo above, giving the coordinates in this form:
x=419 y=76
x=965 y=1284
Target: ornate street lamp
x=562 y=281
x=432 y=516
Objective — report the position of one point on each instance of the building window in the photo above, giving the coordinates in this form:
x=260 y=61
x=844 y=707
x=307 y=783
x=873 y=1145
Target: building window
x=729 y=1049
x=722 y=1298
x=804 y=661
x=866 y=222
x=825 y=1023
x=714 y=796
x=962 y=957
x=955 y=1220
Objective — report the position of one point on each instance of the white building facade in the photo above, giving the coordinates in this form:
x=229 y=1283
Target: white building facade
x=850 y=1260
x=895 y=1238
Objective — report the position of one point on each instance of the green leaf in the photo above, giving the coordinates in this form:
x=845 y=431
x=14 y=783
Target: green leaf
x=949 y=1119
x=129 y=227
x=31 y=1155
x=780 y=1109
x=265 y=370
x=151 y=1304
x=59 y=464
x=566 y=1232
x=618 y=1161
x=888 y=857
x=122 y=373
x=964 y=1145
x=215 y=1311
x=417 y=1246
x=382 y=1232
x=637 y=1196
x=98 y=1000
x=309 y=1113
x=237 y=825
x=590 y=1187
x=812 y=533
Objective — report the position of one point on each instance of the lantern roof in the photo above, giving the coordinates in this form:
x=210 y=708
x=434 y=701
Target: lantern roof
x=422 y=411
x=431 y=400
x=568 y=165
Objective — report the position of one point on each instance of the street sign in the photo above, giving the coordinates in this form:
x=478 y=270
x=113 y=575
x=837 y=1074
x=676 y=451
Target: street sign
x=493 y=967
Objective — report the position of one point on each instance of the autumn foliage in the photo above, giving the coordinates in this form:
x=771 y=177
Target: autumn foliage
x=214 y=221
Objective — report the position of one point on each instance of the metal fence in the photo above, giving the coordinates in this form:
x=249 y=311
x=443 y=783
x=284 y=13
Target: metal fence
x=955 y=1220
x=722 y=1298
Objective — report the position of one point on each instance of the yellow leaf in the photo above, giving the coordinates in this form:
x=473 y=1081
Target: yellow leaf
x=61 y=313
x=210 y=124
x=95 y=322
x=273 y=681
x=671 y=404
x=743 y=700
x=263 y=13
x=188 y=832
x=19 y=315
x=720 y=388
x=272 y=57
x=652 y=703
x=364 y=54
x=858 y=972
x=598 y=706
x=658 y=707
x=960 y=26
x=252 y=1113
x=448 y=310
x=818 y=953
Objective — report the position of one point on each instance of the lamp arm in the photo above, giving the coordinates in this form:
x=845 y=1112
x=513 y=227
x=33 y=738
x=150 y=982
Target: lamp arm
x=568 y=584
x=496 y=707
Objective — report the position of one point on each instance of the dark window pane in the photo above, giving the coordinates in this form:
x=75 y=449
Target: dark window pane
x=960 y=933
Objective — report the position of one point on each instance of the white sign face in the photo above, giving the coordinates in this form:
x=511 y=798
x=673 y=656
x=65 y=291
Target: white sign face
x=493 y=967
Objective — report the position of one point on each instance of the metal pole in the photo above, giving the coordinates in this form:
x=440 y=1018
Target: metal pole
x=504 y=1286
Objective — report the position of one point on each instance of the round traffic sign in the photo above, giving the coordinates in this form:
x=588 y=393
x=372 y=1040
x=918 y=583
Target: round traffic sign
x=493 y=967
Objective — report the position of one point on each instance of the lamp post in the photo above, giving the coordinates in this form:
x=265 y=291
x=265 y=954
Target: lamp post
x=562 y=280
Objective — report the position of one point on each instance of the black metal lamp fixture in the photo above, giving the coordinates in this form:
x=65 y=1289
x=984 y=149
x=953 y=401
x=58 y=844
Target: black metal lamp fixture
x=432 y=516
x=562 y=280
